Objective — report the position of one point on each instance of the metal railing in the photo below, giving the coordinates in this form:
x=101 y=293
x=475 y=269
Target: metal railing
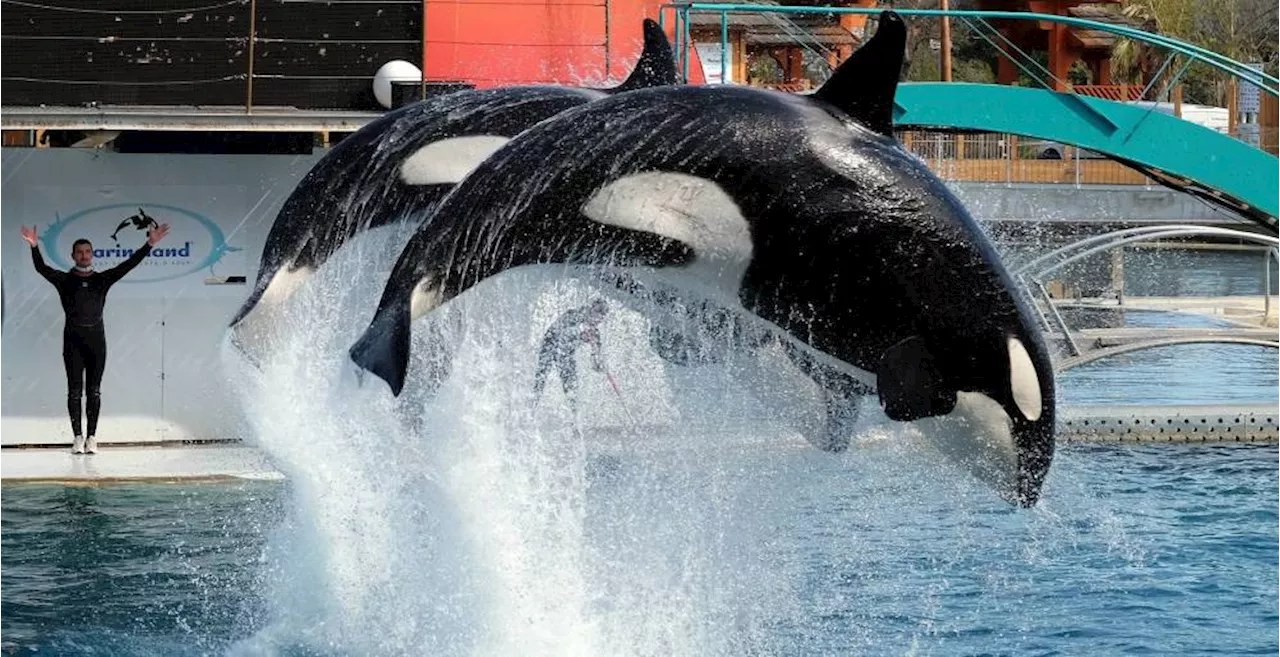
x=1266 y=82
x=1011 y=159
x=1163 y=84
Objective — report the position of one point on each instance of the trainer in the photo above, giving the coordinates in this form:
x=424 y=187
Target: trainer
x=576 y=327
x=83 y=292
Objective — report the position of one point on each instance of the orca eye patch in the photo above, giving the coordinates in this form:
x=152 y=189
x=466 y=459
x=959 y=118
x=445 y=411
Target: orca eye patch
x=689 y=209
x=1024 y=382
x=448 y=161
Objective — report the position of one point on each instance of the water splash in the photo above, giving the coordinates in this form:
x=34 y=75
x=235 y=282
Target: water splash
x=462 y=518
x=458 y=519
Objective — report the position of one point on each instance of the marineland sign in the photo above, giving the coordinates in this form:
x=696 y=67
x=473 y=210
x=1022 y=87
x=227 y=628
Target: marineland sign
x=195 y=243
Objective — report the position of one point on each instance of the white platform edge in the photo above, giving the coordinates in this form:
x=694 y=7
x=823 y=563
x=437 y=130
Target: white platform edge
x=136 y=464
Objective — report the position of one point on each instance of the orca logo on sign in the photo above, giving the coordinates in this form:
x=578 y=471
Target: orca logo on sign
x=194 y=243
x=140 y=221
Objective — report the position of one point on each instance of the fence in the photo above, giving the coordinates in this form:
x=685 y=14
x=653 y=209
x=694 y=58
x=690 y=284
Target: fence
x=1002 y=158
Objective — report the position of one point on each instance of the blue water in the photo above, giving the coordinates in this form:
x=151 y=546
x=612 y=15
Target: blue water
x=132 y=569
x=1180 y=374
x=1161 y=550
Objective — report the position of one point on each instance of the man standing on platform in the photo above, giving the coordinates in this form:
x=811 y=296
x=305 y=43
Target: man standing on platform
x=83 y=292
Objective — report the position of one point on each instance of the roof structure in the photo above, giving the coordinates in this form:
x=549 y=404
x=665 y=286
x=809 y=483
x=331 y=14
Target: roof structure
x=141 y=117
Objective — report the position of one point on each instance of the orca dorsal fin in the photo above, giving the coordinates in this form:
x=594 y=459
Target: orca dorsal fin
x=863 y=86
x=656 y=66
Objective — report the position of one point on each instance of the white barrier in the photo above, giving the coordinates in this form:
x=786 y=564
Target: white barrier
x=166 y=319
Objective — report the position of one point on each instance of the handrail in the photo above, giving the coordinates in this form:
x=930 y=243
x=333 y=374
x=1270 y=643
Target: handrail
x=1173 y=232
x=1093 y=355
x=1142 y=232
x=1221 y=62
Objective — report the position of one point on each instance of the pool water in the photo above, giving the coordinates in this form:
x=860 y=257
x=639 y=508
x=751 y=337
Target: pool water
x=132 y=569
x=1168 y=549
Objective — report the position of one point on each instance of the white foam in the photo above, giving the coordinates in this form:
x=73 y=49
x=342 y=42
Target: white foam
x=458 y=520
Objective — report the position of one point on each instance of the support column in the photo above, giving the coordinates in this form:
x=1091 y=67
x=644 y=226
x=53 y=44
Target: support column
x=794 y=71
x=945 y=48
x=1266 y=287
x=1006 y=72
x=1059 y=59
x=1117 y=273
x=740 y=57
x=1099 y=69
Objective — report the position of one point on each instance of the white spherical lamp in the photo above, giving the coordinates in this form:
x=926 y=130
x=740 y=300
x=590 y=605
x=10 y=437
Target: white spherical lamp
x=396 y=70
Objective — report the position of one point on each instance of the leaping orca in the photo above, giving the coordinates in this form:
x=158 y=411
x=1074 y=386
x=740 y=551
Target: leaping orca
x=400 y=166
x=801 y=210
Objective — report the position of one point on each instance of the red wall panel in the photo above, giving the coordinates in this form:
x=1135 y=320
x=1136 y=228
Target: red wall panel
x=490 y=43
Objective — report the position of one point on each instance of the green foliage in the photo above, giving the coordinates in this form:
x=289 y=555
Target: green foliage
x=973 y=70
x=1244 y=30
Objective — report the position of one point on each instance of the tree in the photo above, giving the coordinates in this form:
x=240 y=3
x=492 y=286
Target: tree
x=1244 y=30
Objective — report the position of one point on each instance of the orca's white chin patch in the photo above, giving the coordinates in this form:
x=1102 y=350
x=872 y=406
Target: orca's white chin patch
x=425 y=298
x=448 y=161
x=255 y=333
x=284 y=283
x=978 y=435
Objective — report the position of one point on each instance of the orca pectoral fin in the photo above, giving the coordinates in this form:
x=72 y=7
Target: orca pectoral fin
x=910 y=383
x=841 y=395
x=384 y=347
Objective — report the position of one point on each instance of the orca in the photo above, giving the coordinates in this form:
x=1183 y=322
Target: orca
x=399 y=166
x=803 y=212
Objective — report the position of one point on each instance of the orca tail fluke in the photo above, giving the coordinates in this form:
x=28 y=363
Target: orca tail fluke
x=384 y=347
x=657 y=64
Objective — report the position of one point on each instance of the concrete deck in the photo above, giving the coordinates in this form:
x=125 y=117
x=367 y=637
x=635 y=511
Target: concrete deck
x=114 y=463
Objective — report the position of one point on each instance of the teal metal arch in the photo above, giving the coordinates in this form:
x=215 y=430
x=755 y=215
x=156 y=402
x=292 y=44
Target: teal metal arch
x=1265 y=81
x=1178 y=153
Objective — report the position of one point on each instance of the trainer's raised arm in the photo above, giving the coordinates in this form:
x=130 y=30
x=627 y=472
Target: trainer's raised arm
x=49 y=273
x=156 y=234
x=153 y=237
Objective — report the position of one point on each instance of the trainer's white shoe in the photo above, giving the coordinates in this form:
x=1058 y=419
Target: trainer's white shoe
x=77 y=445
x=91 y=445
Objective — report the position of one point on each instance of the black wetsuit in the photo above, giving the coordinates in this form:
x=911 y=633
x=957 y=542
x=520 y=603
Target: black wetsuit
x=84 y=336
x=573 y=328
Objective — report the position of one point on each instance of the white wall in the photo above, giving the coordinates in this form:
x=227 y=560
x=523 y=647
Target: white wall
x=165 y=321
